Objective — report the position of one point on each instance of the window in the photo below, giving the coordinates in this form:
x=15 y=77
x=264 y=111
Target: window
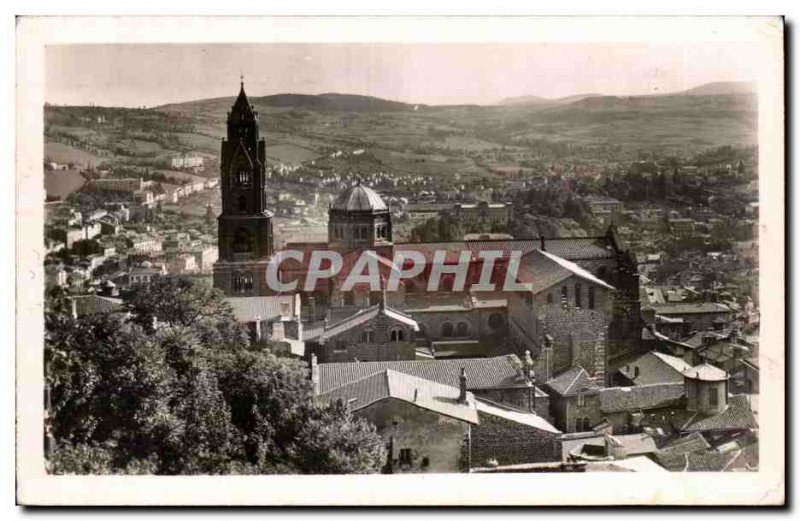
x=529 y=300
x=564 y=295
x=242 y=283
x=462 y=329
x=447 y=330
x=396 y=334
x=496 y=321
x=368 y=336
x=348 y=299
x=549 y=298
x=241 y=241
x=241 y=203
x=577 y=295
x=713 y=398
x=243 y=178
x=405 y=457
x=581 y=400
x=591 y=298
x=636 y=371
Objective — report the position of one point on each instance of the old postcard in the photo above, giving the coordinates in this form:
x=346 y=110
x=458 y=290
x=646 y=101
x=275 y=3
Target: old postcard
x=400 y=261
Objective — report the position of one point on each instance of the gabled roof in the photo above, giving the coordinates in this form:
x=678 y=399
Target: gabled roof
x=508 y=413
x=654 y=368
x=365 y=315
x=640 y=397
x=540 y=270
x=571 y=382
x=432 y=396
x=482 y=373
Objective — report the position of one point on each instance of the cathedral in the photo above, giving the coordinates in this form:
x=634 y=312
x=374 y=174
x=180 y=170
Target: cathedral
x=580 y=305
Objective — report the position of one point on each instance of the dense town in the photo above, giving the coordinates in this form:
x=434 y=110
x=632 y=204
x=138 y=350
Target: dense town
x=633 y=346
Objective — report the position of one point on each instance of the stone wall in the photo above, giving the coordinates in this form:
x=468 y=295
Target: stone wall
x=511 y=443
x=435 y=440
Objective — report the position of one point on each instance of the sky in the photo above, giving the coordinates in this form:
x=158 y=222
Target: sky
x=133 y=75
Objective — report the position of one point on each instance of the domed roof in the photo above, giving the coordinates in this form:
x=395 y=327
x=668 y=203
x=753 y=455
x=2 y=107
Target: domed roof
x=359 y=198
x=705 y=372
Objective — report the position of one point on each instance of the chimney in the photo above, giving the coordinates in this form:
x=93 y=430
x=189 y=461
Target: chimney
x=541 y=240
x=314 y=373
x=462 y=386
x=547 y=354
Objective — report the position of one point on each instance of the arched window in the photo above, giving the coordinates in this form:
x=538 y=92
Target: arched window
x=396 y=334
x=241 y=241
x=368 y=336
x=242 y=283
x=241 y=203
x=591 y=297
x=447 y=330
x=496 y=321
x=243 y=178
x=577 y=295
x=462 y=329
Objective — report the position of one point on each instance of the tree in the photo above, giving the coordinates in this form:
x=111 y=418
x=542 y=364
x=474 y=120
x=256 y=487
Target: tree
x=188 y=397
x=178 y=301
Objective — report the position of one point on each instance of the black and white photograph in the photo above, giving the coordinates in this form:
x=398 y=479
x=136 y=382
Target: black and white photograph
x=537 y=258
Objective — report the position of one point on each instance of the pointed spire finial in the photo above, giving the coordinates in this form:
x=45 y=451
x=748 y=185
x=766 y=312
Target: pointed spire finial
x=241 y=78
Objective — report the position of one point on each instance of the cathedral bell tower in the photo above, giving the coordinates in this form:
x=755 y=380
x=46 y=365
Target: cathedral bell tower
x=245 y=225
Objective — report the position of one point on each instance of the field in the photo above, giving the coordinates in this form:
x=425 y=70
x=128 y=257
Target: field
x=61 y=183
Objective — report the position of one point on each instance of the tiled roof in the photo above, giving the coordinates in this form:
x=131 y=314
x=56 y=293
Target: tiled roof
x=654 y=368
x=710 y=460
x=94 y=304
x=507 y=413
x=249 y=309
x=692 y=443
x=634 y=443
x=615 y=399
x=738 y=415
x=571 y=382
x=706 y=373
x=482 y=373
x=686 y=309
x=433 y=396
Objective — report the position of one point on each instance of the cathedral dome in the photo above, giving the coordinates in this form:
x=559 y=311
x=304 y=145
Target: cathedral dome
x=359 y=198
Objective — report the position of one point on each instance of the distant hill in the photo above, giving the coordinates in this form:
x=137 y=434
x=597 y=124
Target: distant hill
x=319 y=102
x=544 y=102
x=719 y=88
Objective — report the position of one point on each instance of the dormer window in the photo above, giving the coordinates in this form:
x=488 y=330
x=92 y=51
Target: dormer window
x=243 y=178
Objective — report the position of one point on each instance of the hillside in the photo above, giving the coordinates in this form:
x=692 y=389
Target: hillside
x=469 y=141
x=723 y=88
